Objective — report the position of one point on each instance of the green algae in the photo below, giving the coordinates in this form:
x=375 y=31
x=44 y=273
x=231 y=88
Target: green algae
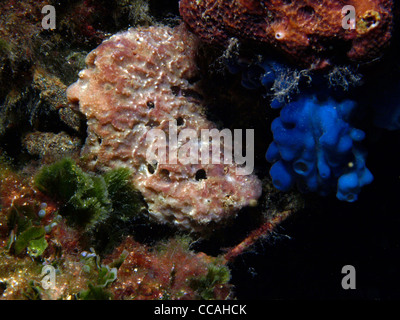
x=126 y=200
x=26 y=235
x=94 y=293
x=84 y=196
x=101 y=277
x=32 y=239
x=99 y=204
x=217 y=274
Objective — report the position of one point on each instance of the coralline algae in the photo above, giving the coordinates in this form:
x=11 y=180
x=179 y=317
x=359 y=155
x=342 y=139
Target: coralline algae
x=141 y=80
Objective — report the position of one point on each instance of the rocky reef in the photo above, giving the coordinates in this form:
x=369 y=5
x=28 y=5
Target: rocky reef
x=155 y=150
x=50 y=221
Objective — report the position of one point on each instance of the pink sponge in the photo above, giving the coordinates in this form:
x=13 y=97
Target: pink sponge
x=138 y=81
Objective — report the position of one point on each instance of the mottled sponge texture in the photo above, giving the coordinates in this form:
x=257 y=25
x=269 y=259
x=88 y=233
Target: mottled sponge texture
x=316 y=148
x=308 y=31
x=143 y=79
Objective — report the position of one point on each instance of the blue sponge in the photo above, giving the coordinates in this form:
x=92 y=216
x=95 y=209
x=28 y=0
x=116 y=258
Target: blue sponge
x=316 y=148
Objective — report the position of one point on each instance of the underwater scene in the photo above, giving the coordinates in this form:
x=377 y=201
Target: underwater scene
x=199 y=150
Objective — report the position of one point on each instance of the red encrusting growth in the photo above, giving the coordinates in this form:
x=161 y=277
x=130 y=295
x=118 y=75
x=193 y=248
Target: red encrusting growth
x=309 y=32
x=167 y=272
